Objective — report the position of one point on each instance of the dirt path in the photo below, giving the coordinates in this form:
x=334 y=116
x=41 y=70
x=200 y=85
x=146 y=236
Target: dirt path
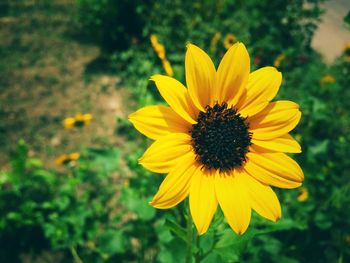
x=332 y=35
x=44 y=79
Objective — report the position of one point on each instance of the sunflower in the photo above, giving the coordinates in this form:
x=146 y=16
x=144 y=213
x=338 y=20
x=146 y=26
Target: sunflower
x=279 y=60
x=167 y=67
x=67 y=158
x=221 y=141
x=327 y=79
x=158 y=48
x=229 y=40
x=78 y=120
x=303 y=194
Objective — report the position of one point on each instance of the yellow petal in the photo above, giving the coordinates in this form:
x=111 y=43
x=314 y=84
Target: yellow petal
x=285 y=143
x=234 y=200
x=69 y=123
x=253 y=109
x=74 y=156
x=158 y=121
x=176 y=184
x=263 y=85
x=200 y=77
x=164 y=153
x=263 y=199
x=203 y=202
x=277 y=119
x=232 y=75
x=176 y=95
x=276 y=169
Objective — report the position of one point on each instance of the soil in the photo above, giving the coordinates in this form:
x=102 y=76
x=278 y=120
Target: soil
x=332 y=35
x=46 y=76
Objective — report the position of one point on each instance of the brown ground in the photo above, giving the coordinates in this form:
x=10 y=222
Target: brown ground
x=45 y=78
x=332 y=34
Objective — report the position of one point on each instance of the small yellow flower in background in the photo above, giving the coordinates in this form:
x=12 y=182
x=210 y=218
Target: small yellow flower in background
x=279 y=59
x=68 y=123
x=303 y=194
x=160 y=51
x=83 y=119
x=62 y=159
x=221 y=141
x=167 y=67
x=214 y=42
x=78 y=120
x=67 y=158
x=154 y=40
x=158 y=48
x=327 y=79
x=74 y=156
x=229 y=40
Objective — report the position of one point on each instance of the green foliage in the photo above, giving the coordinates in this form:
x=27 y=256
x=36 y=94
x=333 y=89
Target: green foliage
x=97 y=208
x=58 y=211
x=108 y=22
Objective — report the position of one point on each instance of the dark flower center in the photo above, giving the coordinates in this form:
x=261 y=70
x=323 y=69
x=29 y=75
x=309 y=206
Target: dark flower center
x=79 y=123
x=221 y=138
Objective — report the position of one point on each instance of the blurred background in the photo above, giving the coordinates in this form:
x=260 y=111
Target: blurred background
x=71 y=189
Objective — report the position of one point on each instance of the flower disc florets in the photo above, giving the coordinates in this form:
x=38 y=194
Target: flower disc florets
x=221 y=138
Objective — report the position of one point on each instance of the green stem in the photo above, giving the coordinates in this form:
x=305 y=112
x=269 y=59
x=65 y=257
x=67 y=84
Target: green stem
x=198 y=254
x=75 y=255
x=189 y=237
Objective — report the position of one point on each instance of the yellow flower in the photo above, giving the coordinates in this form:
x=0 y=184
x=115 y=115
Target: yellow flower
x=78 y=121
x=154 y=40
x=327 y=79
x=68 y=123
x=214 y=41
x=303 y=194
x=160 y=50
x=221 y=140
x=167 y=67
x=278 y=60
x=83 y=119
x=229 y=40
x=62 y=159
x=74 y=156
x=67 y=158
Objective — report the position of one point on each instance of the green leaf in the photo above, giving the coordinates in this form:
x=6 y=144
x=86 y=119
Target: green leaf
x=144 y=210
x=213 y=257
x=112 y=241
x=178 y=230
x=322 y=221
x=139 y=205
x=230 y=246
x=34 y=163
x=105 y=160
x=173 y=252
x=163 y=232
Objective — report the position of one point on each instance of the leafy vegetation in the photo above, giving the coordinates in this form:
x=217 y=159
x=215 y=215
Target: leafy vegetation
x=95 y=208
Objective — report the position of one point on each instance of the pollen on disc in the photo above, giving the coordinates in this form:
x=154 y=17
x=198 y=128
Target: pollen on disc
x=221 y=138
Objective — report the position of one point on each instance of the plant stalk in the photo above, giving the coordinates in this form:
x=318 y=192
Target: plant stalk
x=189 y=236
